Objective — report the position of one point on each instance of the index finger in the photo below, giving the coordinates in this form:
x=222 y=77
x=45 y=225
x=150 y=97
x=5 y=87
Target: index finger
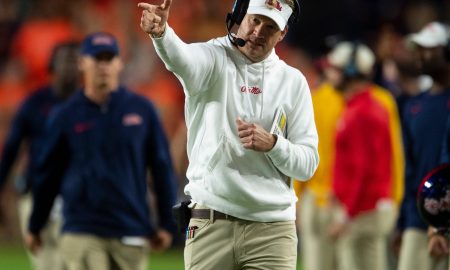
x=166 y=4
x=241 y=125
x=240 y=122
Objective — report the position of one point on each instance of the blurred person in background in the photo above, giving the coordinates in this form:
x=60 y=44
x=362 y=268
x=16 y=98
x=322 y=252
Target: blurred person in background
x=424 y=120
x=438 y=238
x=28 y=127
x=317 y=208
x=362 y=182
x=408 y=82
x=99 y=147
x=239 y=173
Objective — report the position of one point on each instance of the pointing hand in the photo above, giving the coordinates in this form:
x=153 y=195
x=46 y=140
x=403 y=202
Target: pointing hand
x=154 y=18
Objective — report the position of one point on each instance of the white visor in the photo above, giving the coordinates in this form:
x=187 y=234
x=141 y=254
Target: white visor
x=277 y=10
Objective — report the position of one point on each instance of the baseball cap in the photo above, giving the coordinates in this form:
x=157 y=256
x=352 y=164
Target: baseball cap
x=432 y=35
x=341 y=55
x=278 y=10
x=99 y=42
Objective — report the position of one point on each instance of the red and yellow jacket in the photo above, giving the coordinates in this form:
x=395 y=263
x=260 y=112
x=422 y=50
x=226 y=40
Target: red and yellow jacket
x=328 y=107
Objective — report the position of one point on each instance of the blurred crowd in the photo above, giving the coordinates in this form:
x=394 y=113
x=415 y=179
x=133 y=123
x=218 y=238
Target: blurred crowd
x=31 y=29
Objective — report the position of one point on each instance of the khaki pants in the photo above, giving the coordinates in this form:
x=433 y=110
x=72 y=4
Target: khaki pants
x=49 y=257
x=317 y=248
x=363 y=244
x=237 y=244
x=88 y=252
x=414 y=252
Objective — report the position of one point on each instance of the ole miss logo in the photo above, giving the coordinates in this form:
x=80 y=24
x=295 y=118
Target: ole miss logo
x=274 y=4
x=102 y=40
x=132 y=119
x=251 y=89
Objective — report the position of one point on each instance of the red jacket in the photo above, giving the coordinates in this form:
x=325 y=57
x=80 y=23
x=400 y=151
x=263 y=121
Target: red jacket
x=362 y=168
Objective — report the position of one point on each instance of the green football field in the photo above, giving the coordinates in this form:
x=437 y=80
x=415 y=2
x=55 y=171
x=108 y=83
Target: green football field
x=15 y=258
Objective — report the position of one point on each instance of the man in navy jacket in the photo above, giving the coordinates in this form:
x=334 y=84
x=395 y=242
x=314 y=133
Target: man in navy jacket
x=424 y=120
x=100 y=146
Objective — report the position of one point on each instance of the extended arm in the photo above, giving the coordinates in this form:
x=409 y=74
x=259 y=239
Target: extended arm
x=193 y=63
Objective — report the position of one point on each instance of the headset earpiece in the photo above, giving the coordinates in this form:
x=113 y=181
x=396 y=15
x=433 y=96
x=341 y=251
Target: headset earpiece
x=235 y=17
x=295 y=17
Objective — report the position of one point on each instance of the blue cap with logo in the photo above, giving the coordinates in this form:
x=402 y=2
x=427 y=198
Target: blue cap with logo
x=99 y=42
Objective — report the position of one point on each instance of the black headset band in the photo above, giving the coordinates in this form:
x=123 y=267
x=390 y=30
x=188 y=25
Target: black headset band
x=351 y=68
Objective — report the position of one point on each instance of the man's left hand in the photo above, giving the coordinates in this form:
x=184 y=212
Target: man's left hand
x=161 y=241
x=254 y=137
x=33 y=242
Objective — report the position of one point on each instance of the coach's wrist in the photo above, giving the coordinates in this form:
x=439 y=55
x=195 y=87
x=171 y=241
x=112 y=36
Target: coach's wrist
x=274 y=141
x=159 y=34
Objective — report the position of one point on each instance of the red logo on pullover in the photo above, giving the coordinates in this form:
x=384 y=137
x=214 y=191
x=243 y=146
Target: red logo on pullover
x=415 y=109
x=82 y=127
x=252 y=89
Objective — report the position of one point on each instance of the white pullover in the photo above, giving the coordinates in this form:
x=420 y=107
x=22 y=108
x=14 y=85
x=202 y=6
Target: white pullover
x=220 y=85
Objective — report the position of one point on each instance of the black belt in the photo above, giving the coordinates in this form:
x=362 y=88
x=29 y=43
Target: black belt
x=210 y=214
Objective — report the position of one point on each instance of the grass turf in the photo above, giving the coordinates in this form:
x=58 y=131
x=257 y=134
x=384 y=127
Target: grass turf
x=15 y=258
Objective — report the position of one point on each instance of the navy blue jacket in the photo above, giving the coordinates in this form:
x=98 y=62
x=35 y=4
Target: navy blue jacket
x=27 y=126
x=424 y=122
x=98 y=158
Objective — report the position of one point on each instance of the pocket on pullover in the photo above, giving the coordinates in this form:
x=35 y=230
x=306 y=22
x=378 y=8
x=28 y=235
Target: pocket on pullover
x=233 y=174
x=222 y=154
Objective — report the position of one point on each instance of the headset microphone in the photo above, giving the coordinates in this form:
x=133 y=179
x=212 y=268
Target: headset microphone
x=239 y=41
x=236 y=40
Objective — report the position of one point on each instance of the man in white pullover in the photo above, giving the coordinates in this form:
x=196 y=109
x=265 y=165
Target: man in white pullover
x=243 y=203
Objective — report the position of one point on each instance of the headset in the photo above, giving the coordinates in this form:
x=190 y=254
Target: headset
x=351 y=69
x=238 y=12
